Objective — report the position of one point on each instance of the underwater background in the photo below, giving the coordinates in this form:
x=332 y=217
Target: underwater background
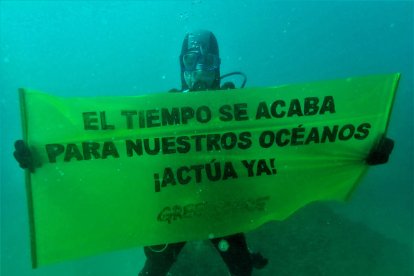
x=80 y=48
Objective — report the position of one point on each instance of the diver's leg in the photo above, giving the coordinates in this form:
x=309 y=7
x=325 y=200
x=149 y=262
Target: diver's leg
x=234 y=252
x=160 y=259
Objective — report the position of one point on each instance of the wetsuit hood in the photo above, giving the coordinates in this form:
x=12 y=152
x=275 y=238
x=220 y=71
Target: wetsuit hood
x=200 y=54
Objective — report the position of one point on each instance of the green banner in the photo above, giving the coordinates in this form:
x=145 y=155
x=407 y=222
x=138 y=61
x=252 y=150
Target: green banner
x=127 y=171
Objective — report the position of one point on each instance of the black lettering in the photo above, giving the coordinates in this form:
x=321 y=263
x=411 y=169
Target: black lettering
x=129 y=117
x=313 y=136
x=346 y=132
x=168 y=177
x=170 y=118
x=153 y=118
x=274 y=107
x=262 y=168
x=245 y=141
x=225 y=112
x=328 y=105
x=279 y=141
x=183 y=144
x=213 y=142
x=157 y=182
x=295 y=108
x=297 y=135
x=197 y=142
x=165 y=215
x=197 y=170
x=187 y=113
x=177 y=212
x=249 y=166
x=152 y=151
x=54 y=150
x=132 y=147
x=90 y=148
x=229 y=171
x=72 y=151
x=180 y=175
x=266 y=139
x=228 y=140
x=104 y=124
x=89 y=120
x=216 y=175
x=141 y=119
x=262 y=111
x=203 y=114
x=109 y=148
x=272 y=165
x=329 y=133
x=168 y=145
x=240 y=112
x=311 y=106
x=363 y=131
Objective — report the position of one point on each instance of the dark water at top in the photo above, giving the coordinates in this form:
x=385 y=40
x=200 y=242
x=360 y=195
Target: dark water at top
x=131 y=48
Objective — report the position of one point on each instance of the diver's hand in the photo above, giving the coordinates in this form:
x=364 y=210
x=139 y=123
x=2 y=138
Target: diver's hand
x=23 y=155
x=381 y=152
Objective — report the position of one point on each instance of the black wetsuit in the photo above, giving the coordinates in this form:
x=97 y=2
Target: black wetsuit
x=237 y=257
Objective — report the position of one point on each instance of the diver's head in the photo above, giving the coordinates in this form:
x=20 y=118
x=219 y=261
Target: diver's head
x=200 y=61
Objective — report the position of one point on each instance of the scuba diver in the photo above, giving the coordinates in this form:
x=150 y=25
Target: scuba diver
x=200 y=71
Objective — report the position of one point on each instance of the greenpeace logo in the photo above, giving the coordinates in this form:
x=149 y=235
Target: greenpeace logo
x=211 y=210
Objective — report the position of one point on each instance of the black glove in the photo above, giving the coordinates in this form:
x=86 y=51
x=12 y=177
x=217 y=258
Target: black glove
x=381 y=152
x=258 y=261
x=23 y=155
